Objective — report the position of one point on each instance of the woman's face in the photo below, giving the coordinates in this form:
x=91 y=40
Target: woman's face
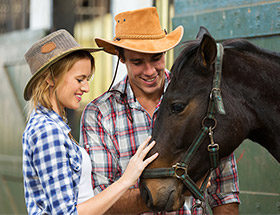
x=73 y=85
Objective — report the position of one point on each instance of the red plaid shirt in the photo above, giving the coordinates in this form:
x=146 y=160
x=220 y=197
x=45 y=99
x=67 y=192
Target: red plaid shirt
x=111 y=139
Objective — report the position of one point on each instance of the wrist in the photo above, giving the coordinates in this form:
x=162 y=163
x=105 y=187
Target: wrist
x=124 y=183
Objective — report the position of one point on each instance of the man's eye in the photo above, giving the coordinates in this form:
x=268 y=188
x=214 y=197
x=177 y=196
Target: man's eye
x=156 y=59
x=177 y=107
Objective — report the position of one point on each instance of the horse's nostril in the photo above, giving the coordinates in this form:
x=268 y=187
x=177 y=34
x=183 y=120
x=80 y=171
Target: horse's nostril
x=146 y=195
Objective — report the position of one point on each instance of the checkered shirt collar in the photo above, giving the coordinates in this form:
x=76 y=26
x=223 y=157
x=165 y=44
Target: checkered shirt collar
x=129 y=92
x=55 y=117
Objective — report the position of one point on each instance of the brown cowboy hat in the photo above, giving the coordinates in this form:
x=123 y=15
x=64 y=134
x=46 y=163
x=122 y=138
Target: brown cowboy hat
x=48 y=51
x=140 y=31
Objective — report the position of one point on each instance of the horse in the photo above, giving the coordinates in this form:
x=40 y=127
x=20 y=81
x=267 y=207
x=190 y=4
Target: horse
x=219 y=95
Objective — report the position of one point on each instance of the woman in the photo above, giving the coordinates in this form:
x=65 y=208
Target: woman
x=57 y=172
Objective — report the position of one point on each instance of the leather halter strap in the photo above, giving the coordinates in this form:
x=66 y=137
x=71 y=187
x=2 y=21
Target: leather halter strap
x=180 y=170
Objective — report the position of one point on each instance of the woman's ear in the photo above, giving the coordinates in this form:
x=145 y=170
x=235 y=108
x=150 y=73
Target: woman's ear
x=50 y=81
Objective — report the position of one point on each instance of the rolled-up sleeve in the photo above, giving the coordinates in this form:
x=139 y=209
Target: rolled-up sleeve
x=101 y=145
x=224 y=187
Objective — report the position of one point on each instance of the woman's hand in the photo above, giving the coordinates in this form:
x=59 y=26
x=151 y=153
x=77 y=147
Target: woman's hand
x=137 y=163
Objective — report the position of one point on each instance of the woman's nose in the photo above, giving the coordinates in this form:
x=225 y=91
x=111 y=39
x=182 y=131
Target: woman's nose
x=85 y=86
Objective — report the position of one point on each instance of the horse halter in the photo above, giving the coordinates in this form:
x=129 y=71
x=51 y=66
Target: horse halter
x=180 y=170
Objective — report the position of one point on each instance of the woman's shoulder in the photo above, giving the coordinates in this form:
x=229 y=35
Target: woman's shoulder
x=40 y=125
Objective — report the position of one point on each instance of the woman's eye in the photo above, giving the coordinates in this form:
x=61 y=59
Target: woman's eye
x=80 y=80
x=177 y=107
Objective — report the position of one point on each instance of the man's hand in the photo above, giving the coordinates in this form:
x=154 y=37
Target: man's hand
x=228 y=209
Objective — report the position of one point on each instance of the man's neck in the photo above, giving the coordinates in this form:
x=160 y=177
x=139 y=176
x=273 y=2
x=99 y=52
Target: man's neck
x=149 y=103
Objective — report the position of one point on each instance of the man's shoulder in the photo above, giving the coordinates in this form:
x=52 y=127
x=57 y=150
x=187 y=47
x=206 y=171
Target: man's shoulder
x=107 y=98
x=104 y=104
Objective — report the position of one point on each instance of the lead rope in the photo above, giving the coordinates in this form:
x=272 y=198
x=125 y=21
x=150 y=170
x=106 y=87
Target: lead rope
x=122 y=94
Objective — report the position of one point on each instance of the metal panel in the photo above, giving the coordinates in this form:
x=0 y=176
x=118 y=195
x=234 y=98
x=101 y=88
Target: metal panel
x=229 y=21
x=259 y=22
x=259 y=175
x=14 y=74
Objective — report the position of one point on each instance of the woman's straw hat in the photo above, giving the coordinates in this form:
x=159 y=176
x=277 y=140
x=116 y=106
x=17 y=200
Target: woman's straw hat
x=46 y=52
x=140 y=31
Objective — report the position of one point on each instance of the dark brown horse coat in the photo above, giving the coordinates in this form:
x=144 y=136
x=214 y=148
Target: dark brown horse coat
x=250 y=88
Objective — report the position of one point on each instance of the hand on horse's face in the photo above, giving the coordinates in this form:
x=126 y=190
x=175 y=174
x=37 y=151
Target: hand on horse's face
x=199 y=183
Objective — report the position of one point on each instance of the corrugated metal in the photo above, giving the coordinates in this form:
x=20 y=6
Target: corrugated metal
x=229 y=19
x=259 y=22
x=85 y=32
x=14 y=74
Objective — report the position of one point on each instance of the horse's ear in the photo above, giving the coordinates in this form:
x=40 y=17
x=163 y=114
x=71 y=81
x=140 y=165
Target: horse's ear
x=201 y=32
x=207 y=50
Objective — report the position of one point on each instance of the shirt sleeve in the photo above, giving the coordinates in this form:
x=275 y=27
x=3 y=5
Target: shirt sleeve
x=224 y=187
x=54 y=169
x=97 y=137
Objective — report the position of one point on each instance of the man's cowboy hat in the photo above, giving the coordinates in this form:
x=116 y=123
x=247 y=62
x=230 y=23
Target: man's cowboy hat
x=48 y=51
x=140 y=31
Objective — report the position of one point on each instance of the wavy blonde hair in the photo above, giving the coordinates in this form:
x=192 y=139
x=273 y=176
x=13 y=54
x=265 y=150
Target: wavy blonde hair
x=41 y=89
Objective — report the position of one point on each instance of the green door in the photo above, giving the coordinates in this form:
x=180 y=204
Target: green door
x=259 y=22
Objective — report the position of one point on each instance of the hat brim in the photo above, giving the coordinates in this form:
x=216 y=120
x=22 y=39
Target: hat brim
x=28 y=88
x=149 y=46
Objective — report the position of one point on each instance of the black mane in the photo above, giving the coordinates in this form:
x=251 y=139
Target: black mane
x=241 y=45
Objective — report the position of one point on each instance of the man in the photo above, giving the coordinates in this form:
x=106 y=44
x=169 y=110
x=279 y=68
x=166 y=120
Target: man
x=116 y=123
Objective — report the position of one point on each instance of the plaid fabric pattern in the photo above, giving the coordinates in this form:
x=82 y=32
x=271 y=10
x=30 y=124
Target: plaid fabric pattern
x=111 y=139
x=51 y=165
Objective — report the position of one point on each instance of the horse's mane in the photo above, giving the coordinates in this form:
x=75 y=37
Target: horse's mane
x=246 y=46
x=189 y=48
x=242 y=45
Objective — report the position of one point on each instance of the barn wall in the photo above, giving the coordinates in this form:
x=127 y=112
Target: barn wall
x=259 y=22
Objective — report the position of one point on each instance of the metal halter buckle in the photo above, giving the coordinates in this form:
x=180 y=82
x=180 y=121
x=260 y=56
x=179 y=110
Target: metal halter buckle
x=199 y=204
x=179 y=169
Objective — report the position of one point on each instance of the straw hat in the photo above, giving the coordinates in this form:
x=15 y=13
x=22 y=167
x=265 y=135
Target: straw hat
x=140 y=31
x=46 y=52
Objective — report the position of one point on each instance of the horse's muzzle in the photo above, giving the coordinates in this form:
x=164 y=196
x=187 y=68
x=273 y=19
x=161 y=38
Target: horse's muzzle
x=161 y=198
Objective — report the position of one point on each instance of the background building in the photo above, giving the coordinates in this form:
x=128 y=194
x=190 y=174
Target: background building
x=22 y=22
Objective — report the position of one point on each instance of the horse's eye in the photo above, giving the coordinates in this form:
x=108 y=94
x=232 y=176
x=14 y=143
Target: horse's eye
x=177 y=107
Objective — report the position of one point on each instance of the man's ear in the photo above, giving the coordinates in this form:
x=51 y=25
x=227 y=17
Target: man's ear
x=119 y=56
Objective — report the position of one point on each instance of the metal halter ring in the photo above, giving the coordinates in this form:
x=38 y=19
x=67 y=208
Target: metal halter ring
x=199 y=204
x=207 y=118
x=178 y=168
x=211 y=146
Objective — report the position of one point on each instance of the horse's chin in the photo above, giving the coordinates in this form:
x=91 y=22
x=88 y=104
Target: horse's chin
x=164 y=196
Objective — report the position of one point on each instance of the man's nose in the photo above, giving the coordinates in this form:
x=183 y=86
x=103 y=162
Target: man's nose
x=149 y=69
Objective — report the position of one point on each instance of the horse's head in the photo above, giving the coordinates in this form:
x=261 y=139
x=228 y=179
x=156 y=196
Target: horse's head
x=180 y=120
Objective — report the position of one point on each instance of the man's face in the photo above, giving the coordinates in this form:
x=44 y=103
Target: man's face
x=145 y=72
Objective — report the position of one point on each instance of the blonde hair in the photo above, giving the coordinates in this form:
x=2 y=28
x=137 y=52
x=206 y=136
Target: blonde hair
x=41 y=89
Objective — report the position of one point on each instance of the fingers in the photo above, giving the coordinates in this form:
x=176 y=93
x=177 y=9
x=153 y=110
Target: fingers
x=209 y=183
x=137 y=163
x=146 y=150
x=150 y=159
x=142 y=146
x=143 y=150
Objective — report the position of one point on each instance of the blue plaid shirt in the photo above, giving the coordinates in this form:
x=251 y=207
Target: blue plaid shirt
x=51 y=165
